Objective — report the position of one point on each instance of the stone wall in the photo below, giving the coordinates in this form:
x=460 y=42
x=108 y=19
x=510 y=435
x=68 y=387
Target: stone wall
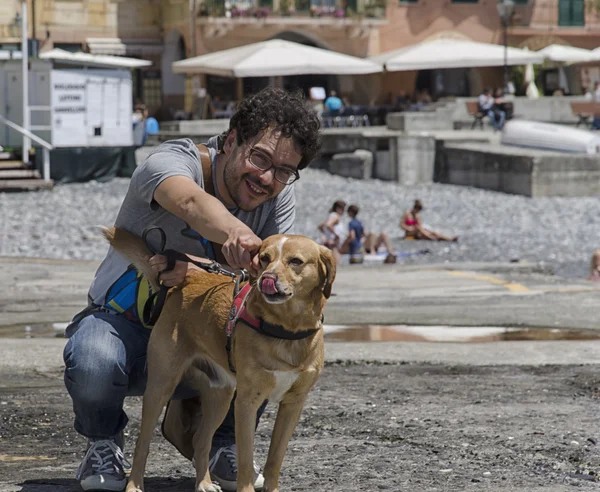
x=520 y=171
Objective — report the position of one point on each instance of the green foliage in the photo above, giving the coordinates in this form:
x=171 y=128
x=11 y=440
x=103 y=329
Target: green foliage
x=284 y=7
x=593 y=5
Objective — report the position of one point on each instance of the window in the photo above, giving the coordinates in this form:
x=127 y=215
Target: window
x=521 y=2
x=571 y=12
x=408 y=1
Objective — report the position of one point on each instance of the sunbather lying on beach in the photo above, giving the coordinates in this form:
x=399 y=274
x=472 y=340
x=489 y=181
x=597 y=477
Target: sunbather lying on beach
x=413 y=227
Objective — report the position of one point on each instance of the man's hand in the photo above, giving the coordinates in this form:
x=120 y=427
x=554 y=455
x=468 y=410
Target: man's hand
x=171 y=278
x=241 y=248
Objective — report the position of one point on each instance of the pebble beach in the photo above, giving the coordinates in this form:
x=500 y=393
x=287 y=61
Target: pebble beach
x=561 y=233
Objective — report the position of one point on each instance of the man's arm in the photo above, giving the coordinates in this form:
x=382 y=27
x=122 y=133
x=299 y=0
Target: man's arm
x=182 y=197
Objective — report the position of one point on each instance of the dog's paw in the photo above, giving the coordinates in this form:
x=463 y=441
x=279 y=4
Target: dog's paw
x=132 y=488
x=208 y=487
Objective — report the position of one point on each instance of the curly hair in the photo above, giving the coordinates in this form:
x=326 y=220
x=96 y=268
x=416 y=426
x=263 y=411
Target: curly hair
x=288 y=112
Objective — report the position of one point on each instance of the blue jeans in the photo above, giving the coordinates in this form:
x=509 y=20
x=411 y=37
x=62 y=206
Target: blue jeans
x=497 y=124
x=105 y=361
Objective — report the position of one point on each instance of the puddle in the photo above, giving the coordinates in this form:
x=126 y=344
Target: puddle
x=406 y=333
x=41 y=330
x=376 y=333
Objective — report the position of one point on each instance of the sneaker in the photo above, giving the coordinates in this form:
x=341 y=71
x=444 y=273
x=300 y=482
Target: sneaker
x=223 y=470
x=103 y=466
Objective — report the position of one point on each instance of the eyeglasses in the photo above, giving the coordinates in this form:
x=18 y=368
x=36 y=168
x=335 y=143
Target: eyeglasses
x=263 y=163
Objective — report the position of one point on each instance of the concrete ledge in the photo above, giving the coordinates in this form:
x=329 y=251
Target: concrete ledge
x=418 y=120
x=521 y=171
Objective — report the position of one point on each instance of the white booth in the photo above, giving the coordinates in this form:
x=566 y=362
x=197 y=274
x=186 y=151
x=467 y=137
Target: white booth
x=76 y=101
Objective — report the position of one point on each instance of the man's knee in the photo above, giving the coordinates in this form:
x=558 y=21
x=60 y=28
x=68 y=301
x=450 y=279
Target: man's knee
x=94 y=364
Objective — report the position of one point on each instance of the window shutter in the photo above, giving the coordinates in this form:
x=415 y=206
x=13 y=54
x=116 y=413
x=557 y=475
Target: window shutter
x=564 y=12
x=578 y=12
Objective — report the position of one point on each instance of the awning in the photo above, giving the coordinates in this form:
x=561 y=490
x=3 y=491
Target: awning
x=122 y=47
x=567 y=54
x=274 y=58
x=88 y=59
x=453 y=53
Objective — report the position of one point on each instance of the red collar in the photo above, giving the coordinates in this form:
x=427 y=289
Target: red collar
x=239 y=312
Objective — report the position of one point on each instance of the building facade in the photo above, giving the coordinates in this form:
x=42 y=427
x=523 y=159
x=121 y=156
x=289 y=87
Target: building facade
x=165 y=31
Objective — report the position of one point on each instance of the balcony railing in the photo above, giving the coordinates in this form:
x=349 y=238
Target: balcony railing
x=260 y=9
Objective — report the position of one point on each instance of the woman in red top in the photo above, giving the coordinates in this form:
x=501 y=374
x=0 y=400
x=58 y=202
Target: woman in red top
x=413 y=227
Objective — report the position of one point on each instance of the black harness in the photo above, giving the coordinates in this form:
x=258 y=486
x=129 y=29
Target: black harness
x=155 y=303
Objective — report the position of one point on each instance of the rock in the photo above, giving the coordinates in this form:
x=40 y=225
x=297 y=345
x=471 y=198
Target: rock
x=358 y=164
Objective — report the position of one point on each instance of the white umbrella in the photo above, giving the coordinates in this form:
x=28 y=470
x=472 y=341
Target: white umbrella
x=97 y=60
x=453 y=53
x=566 y=54
x=531 y=90
x=563 y=82
x=595 y=53
x=274 y=58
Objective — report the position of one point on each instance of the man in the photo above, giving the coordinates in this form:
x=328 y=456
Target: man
x=271 y=137
x=487 y=105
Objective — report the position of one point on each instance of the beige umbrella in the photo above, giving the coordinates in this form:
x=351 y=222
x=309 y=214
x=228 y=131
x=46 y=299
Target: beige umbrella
x=276 y=57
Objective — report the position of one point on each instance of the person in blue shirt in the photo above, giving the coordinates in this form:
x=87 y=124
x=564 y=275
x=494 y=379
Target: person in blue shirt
x=360 y=242
x=333 y=104
x=152 y=126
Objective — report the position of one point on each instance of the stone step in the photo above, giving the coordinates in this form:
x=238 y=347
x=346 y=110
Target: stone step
x=12 y=164
x=19 y=173
x=25 y=184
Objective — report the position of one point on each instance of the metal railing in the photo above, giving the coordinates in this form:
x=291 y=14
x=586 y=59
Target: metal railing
x=291 y=8
x=46 y=147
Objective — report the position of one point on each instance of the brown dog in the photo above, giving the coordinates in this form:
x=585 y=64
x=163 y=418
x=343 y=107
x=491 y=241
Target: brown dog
x=188 y=344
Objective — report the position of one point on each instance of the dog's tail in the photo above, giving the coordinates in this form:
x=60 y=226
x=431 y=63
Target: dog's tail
x=134 y=249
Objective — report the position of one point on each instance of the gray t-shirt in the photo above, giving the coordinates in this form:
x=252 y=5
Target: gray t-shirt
x=139 y=210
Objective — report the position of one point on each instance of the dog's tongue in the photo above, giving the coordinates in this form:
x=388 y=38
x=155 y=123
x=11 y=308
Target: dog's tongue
x=268 y=286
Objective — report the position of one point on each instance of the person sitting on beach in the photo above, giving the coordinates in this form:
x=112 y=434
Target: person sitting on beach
x=594 y=275
x=413 y=227
x=359 y=242
x=333 y=229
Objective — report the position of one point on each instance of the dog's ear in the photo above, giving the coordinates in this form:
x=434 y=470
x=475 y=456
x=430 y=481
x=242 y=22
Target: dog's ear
x=326 y=269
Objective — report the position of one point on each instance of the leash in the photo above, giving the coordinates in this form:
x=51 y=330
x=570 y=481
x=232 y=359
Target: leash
x=156 y=301
x=238 y=311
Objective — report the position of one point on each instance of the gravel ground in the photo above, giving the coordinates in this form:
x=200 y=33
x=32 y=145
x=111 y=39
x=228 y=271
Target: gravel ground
x=561 y=232
x=366 y=426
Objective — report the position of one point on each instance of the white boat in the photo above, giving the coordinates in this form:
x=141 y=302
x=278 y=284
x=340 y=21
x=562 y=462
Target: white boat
x=548 y=136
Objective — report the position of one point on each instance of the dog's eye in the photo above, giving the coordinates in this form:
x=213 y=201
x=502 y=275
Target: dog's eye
x=265 y=259
x=296 y=262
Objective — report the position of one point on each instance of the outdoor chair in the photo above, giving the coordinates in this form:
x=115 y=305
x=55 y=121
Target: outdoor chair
x=585 y=112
